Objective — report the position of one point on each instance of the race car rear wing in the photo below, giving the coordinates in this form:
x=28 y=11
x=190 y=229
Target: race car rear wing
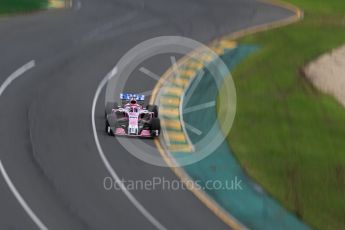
x=129 y=96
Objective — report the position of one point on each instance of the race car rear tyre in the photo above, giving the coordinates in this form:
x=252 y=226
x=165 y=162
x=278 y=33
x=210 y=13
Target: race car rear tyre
x=109 y=107
x=154 y=109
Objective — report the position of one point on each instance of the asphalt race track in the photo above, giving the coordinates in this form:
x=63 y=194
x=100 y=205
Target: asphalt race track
x=46 y=139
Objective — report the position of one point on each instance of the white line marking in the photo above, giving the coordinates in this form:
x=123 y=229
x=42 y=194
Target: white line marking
x=20 y=199
x=107 y=164
x=16 y=74
x=199 y=107
x=8 y=181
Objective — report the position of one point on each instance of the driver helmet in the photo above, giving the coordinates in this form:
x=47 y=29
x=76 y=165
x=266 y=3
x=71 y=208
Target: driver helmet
x=133 y=101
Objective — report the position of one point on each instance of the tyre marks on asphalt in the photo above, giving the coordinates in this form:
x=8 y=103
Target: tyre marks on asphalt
x=16 y=74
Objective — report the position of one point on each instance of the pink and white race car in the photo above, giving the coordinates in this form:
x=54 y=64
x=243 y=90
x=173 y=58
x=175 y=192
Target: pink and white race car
x=132 y=119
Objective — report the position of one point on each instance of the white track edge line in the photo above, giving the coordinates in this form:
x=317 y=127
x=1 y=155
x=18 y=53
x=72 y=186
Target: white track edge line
x=16 y=74
x=21 y=200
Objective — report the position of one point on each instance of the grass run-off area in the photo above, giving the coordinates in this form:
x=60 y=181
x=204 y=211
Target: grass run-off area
x=19 y=6
x=287 y=135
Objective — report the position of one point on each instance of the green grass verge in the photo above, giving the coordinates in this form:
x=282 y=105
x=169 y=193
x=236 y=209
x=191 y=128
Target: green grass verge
x=287 y=135
x=19 y=6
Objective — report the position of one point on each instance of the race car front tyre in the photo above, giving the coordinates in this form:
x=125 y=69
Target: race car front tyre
x=154 y=109
x=111 y=121
x=108 y=129
x=155 y=126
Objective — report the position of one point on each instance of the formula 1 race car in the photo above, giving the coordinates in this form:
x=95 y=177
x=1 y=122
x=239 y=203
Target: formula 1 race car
x=131 y=118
